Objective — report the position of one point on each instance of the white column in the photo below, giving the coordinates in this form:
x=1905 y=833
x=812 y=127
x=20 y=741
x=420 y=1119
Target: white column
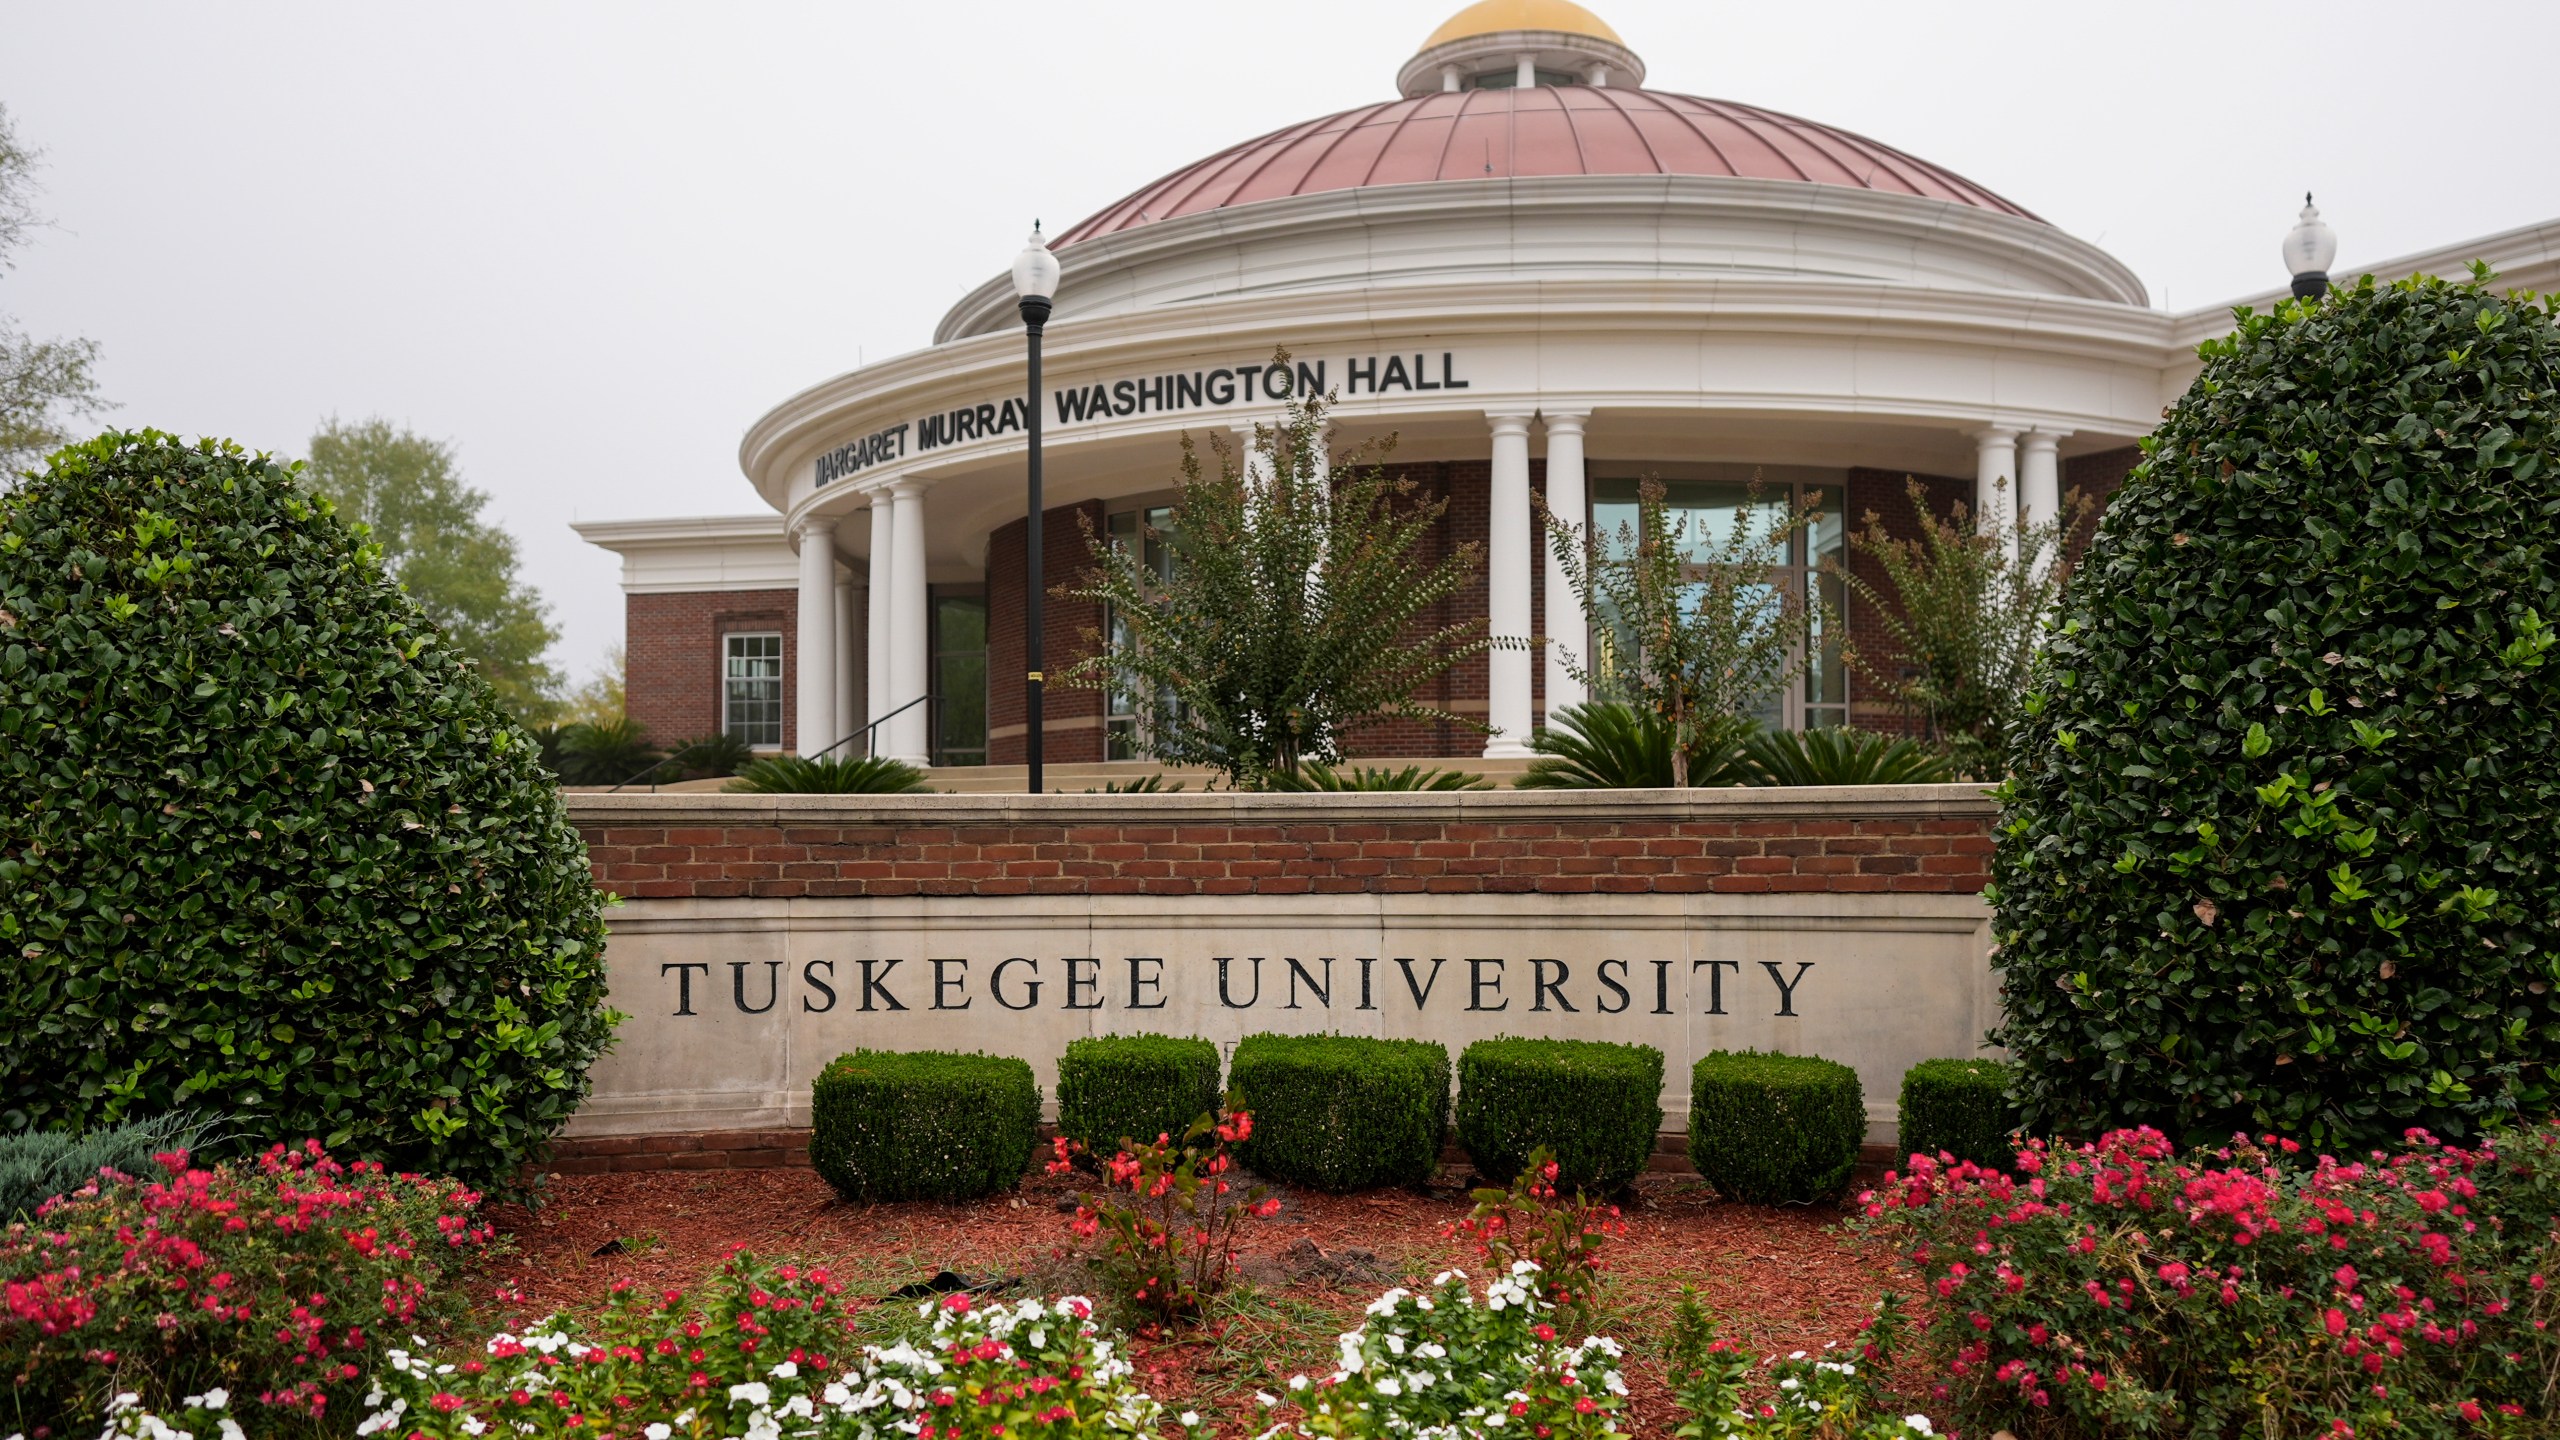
x=875 y=700
x=1995 y=482
x=2039 y=476
x=1507 y=588
x=1568 y=630
x=910 y=735
x=1527 y=74
x=1449 y=78
x=817 y=657
x=1599 y=77
x=848 y=677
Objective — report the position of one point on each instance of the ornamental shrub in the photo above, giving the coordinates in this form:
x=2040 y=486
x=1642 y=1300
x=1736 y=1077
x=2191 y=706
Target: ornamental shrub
x=923 y=1124
x=1342 y=1112
x=1594 y=1106
x=1116 y=1088
x=1774 y=1129
x=37 y=1166
x=1443 y=1363
x=770 y=1351
x=267 y=846
x=1840 y=1394
x=278 y=1279
x=2281 y=848
x=1169 y=1216
x=2125 y=1288
x=1959 y=1108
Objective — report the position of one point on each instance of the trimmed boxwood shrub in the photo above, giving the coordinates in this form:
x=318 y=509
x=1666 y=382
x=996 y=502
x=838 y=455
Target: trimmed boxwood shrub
x=1959 y=1108
x=1342 y=1112
x=1596 y=1105
x=2281 y=850
x=269 y=849
x=922 y=1124
x=1134 y=1087
x=1774 y=1129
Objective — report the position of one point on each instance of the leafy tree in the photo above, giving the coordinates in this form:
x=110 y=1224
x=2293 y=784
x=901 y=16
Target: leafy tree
x=2281 y=842
x=44 y=384
x=268 y=846
x=1294 y=612
x=1962 y=617
x=460 y=567
x=1695 y=630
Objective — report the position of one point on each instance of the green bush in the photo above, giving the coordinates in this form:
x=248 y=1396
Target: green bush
x=1774 y=1129
x=1314 y=776
x=1833 y=756
x=922 y=1124
x=268 y=848
x=1959 y=1108
x=1342 y=1112
x=831 y=775
x=1596 y=1105
x=605 y=752
x=1134 y=1087
x=2278 y=850
x=1608 y=745
x=36 y=1166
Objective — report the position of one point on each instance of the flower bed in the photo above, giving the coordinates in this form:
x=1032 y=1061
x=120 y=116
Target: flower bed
x=2122 y=1288
x=266 y=1287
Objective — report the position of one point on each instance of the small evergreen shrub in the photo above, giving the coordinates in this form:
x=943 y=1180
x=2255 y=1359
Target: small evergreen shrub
x=1113 y=1088
x=1342 y=1112
x=1595 y=1106
x=2276 y=854
x=1959 y=1108
x=1774 y=1129
x=269 y=847
x=37 y=1166
x=922 y=1124
x=830 y=775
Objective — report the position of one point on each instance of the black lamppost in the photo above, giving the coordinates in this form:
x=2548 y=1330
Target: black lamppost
x=1035 y=279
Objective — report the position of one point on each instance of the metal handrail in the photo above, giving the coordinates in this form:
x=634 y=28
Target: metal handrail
x=866 y=732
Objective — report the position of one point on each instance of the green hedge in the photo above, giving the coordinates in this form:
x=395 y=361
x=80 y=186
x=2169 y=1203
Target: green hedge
x=1597 y=1105
x=2276 y=851
x=1959 y=1108
x=1774 y=1129
x=270 y=847
x=1134 y=1087
x=923 y=1124
x=1342 y=1113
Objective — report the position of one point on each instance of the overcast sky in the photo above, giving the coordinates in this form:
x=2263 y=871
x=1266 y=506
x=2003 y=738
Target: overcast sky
x=588 y=244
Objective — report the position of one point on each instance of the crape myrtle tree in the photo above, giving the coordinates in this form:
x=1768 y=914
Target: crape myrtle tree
x=1962 y=611
x=2279 y=849
x=1694 y=628
x=1295 y=610
x=269 y=847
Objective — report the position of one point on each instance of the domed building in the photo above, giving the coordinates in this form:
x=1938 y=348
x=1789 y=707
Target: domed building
x=1541 y=276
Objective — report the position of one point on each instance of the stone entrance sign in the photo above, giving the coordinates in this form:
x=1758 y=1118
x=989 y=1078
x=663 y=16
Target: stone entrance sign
x=763 y=936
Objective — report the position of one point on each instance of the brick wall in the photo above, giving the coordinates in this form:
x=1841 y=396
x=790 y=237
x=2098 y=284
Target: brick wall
x=1072 y=732
x=672 y=662
x=1858 y=841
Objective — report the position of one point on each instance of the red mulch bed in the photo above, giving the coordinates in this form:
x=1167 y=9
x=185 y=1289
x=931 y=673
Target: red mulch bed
x=1777 y=1279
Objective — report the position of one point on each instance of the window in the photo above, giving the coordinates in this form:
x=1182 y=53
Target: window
x=959 y=618
x=1146 y=532
x=1709 y=504
x=1509 y=77
x=751 y=688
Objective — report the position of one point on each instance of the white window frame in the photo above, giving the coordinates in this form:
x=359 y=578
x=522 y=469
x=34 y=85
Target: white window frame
x=780 y=678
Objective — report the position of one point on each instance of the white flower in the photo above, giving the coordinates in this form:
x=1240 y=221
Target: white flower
x=474 y=1426
x=1787 y=1384
x=1190 y=1419
x=1297 y=1382
x=1798 y=1355
x=230 y=1429
x=1919 y=1423
x=784 y=1371
x=1388 y=1387
x=658 y=1430
x=1265 y=1399
x=754 y=1392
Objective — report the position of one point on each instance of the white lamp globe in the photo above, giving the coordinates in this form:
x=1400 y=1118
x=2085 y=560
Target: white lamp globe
x=1035 y=270
x=2311 y=245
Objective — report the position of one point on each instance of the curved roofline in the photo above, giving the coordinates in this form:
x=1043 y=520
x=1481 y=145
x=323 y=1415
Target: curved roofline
x=1175 y=188
x=2073 y=266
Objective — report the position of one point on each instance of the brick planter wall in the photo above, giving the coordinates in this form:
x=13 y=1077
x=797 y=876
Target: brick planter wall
x=1917 y=838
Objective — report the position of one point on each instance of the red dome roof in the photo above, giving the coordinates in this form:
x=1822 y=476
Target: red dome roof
x=1546 y=130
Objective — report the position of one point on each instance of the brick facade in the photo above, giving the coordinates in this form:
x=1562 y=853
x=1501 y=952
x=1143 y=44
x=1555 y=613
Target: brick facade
x=672 y=657
x=1490 y=843
x=1072 y=732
